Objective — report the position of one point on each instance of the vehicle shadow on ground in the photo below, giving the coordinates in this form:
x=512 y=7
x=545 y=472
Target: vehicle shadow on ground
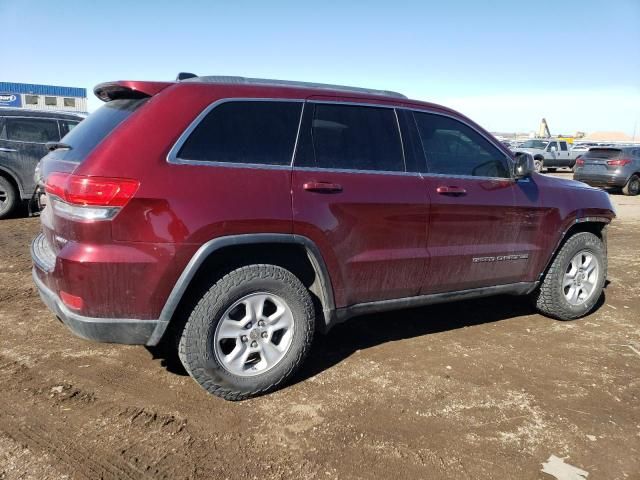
x=368 y=331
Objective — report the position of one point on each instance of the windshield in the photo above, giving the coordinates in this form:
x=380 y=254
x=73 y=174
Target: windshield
x=541 y=144
x=84 y=137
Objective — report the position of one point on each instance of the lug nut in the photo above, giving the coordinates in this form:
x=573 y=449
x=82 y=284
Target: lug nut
x=254 y=344
x=265 y=334
x=244 y=338
x=261 y=323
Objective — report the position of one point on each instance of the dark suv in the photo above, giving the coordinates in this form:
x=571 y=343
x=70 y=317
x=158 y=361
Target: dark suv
x=239 y=217
x=607 y=167
x=23 y=138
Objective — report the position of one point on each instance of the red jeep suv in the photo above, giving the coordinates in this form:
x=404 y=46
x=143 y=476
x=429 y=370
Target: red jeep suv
x=241 y=216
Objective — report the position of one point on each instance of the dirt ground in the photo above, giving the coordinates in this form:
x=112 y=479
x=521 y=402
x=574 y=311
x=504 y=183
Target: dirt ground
x=477 y=389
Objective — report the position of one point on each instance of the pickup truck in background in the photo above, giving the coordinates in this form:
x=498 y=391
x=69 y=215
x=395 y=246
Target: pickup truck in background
x=549 y=153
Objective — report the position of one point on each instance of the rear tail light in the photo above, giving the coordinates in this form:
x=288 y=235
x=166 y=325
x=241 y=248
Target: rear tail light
x=619 y=163
x=89 y=198
x=579 y=162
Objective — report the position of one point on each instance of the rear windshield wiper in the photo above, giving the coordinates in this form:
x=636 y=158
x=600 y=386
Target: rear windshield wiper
x=51 y=146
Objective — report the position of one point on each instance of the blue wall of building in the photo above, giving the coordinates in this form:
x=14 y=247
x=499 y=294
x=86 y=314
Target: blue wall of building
x=53 y=90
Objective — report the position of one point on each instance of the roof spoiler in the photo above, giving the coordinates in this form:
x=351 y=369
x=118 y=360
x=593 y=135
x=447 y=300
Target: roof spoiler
x=128 y=89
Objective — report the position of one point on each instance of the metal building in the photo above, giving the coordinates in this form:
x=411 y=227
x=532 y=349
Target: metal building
x=43 y=97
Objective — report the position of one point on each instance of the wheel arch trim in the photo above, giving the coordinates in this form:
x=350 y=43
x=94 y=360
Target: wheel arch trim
x=4 y=171
x=604 y=221
x=212 y=246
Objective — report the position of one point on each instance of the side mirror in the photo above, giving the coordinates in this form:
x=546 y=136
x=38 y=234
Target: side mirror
x=554 y=148
x=524 y=165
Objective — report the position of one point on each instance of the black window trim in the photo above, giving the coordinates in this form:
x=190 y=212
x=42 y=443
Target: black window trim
x=172 y=156
x=32 y=118
x=467 y=177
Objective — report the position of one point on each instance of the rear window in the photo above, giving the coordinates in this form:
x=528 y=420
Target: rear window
x=84 y=137
x=602 y=153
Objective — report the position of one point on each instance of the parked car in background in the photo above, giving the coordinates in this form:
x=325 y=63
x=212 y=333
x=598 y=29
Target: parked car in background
x=234 y=219
x=610 y=167
x=509 y=144
x=549 y=154
x=580 y=149
x=23 y=138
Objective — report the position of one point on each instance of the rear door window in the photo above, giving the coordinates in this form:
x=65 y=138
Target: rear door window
x=351 y=137
x=453 y=148
x=31 y=130
x=247 y=132
x=84 y=137
x=563 y=146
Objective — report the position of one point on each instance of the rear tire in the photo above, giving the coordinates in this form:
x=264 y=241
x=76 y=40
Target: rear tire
x=231 y=344
x=632 y=188
x=573 y=284
x=8 y=198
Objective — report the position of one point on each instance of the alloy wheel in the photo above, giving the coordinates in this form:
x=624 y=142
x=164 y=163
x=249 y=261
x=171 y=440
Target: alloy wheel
x=254 y=334
x=580 y=278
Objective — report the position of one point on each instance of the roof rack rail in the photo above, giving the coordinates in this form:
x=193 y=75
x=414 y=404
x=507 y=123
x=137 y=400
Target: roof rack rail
x=290 y=83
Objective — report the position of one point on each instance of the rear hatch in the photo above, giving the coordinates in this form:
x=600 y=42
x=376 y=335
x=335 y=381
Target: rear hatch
x=122 y=100
x=601 y=161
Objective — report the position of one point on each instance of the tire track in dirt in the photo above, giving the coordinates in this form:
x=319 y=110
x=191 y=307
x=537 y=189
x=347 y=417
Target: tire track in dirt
x=52 y=427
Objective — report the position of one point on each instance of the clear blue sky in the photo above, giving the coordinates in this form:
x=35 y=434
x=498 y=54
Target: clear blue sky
x=504 y=63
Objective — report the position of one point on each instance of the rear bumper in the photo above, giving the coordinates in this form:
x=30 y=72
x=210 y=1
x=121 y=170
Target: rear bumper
x=601 y=180
x=110 y=330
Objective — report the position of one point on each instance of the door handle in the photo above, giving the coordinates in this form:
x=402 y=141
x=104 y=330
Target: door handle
x=451 y=190
x=322 y=187
x=2 y=149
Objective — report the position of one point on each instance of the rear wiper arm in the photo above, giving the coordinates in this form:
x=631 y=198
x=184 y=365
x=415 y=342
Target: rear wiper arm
x=51 y=146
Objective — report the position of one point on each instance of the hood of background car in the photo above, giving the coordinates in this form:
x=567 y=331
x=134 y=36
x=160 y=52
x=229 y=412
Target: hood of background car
x=529 y=150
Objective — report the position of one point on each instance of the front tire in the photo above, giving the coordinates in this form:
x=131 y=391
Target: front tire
x=632 y=188
x=8 y=198
x=538 y=164
x=249 y=333
x=574 y=282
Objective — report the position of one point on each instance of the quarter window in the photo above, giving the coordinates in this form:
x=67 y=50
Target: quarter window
x=254 y=132
x=66 y=126
x=34 y=130
x=352 y=137
x=453 y=148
